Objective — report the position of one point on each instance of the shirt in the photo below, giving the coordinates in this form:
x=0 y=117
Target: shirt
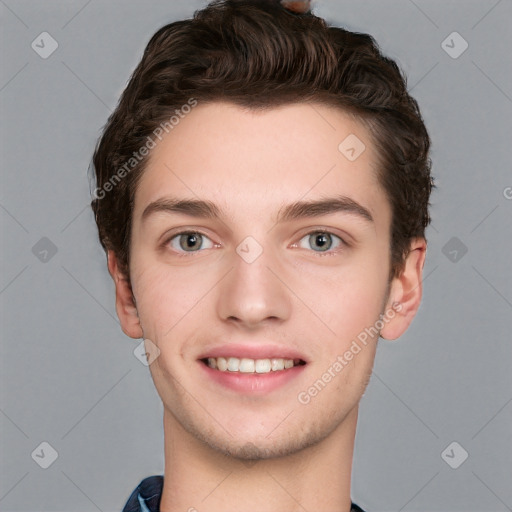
x=146 y=496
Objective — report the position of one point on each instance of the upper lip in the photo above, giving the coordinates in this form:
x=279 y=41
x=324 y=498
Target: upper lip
x=252 y=351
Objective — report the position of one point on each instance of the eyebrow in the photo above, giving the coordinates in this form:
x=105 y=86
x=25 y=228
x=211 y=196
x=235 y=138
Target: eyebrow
x=327 y=206
x=192 y=207
x=298 y=210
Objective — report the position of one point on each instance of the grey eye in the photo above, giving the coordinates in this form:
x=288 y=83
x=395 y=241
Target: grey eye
x=190 y=241
x=320 y=241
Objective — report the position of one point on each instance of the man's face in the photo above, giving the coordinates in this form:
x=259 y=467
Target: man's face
x=256 y=281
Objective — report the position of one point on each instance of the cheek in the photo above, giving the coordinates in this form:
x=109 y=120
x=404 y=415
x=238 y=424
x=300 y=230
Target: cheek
x=164 y=297
x=345 y=359
x=347 y=298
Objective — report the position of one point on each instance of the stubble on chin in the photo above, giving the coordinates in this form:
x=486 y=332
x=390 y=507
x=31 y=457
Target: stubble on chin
x=288 y=441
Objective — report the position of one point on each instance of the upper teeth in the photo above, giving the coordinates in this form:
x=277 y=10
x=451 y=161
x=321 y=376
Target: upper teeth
x=246 y=365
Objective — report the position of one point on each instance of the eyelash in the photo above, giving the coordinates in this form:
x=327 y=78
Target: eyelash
x=328 y=252
x=177 y=235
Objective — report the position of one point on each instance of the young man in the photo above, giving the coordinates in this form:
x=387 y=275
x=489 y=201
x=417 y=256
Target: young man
x=262 y=194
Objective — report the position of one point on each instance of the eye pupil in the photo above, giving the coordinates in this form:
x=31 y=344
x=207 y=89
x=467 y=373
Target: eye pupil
x=320 y=241
x=190 y=241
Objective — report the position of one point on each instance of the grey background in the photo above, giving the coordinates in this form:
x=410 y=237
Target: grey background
x=69 y=376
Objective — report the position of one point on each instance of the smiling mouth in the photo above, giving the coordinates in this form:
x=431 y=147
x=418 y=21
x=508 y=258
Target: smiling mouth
x=246 y=365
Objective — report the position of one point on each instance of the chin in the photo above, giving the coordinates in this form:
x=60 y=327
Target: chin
x=261 y=449
x=246 y=446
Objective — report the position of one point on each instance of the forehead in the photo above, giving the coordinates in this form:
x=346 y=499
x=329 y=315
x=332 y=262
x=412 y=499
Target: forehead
x=252 y=161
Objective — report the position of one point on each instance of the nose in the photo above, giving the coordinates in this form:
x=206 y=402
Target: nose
x=254 y=293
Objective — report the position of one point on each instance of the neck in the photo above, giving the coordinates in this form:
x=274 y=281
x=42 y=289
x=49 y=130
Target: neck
x=199 y=478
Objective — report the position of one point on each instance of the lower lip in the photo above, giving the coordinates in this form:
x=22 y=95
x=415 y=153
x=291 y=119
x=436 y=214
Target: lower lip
x=253 y=383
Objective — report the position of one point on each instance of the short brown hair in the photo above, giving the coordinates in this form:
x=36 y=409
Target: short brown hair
x=257 y=54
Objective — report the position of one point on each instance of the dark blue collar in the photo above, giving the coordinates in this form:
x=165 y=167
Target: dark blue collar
x=146 y=496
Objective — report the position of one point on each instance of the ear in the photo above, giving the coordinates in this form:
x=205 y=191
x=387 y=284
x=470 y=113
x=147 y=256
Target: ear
x=405 y=292
x=125 y=304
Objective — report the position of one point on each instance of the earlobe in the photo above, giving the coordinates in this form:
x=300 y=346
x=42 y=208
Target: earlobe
x=405 y=292
x=125 y=302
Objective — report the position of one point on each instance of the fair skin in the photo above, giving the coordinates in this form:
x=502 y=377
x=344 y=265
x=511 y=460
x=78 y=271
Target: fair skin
x=242 y=441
